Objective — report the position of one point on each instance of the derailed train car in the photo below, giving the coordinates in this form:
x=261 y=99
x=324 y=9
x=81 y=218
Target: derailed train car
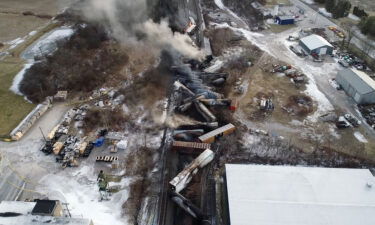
x=182 y=179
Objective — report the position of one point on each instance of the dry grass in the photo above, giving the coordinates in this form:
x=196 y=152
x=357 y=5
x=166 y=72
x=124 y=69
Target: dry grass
x=13 y=108
x=113 y=119
x=13 y=24
x=138 y=165
x=275 y=28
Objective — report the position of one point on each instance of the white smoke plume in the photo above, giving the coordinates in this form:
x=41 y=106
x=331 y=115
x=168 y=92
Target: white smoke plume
x=163 y=37
x=128 y=19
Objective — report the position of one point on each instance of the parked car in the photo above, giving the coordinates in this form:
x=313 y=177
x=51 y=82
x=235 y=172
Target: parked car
x=360 y=66
x=315 y=55
x=352 y=119
x=342 y=123
x=293 y=49
x=343 y=63
x=318 y=60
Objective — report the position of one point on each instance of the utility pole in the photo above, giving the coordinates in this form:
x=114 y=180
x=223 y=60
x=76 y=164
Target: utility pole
x=42 y=134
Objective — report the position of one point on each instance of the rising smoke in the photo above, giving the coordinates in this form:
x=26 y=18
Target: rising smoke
x=130 y=22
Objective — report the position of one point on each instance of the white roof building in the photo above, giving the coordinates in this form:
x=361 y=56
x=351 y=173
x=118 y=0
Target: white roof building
x=21 y=213
x=317 y=44
x=285 y=195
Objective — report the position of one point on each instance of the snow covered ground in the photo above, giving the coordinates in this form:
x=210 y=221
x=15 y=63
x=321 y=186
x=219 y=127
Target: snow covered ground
x=79 y=188
x=45 y=45
x=360 y=137
x=18 y=78
x=326 y=98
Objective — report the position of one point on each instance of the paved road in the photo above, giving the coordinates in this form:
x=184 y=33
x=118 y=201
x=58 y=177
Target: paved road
x=25 y=158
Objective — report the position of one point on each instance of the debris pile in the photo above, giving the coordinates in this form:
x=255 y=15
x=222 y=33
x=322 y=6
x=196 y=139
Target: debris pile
x=300 y=105
x=195 y=95
x=368 y=112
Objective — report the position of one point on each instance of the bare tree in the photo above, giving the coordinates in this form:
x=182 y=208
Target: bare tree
x=348 y=27
x=367 y=47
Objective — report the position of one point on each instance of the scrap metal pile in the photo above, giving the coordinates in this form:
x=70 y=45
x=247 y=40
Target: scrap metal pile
x=66 y=147
x=368 y=112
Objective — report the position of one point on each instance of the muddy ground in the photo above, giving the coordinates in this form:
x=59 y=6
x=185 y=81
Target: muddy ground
x=297 y=129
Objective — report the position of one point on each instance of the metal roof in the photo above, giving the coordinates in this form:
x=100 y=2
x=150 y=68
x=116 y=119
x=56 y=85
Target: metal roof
x=315 y=41
x=25 y=218
x=287 y=195
x=359 y=80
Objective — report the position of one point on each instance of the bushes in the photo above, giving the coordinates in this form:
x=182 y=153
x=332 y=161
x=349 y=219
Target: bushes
x=98 y=117
x=367 y=25
x=338 y=8
x=359 y=12
x=82 y=63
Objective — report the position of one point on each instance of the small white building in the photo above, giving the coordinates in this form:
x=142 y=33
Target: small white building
x=288 y=195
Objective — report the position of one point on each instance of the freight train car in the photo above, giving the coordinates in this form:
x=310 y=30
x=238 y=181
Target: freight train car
x=182 y=179
x=190 y=147
x=211 y=136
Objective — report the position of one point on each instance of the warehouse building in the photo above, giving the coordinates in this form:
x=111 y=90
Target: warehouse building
x=316 y=44
x=357 y=85
x=287 y=195
x=284 y=20
x=40 y=212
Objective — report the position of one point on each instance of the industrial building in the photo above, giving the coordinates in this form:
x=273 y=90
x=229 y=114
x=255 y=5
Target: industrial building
x=316 y=44
x=287 y=195
x=284 y=20
x=357 y=85
x=37 y=213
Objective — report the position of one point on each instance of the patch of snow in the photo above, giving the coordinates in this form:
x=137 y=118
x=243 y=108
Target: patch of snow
x=249 y=139
x=296 y=123
x=354 y=17
x=325 y=13
x=271 y=21
x=15 y=42
x=79 y=189
x=220 y=4
x=18 y=78
x=324 y=105
x=32 y=33
x=310 y=2
x=360 y=137
x=333 y=131
x=47 y=44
